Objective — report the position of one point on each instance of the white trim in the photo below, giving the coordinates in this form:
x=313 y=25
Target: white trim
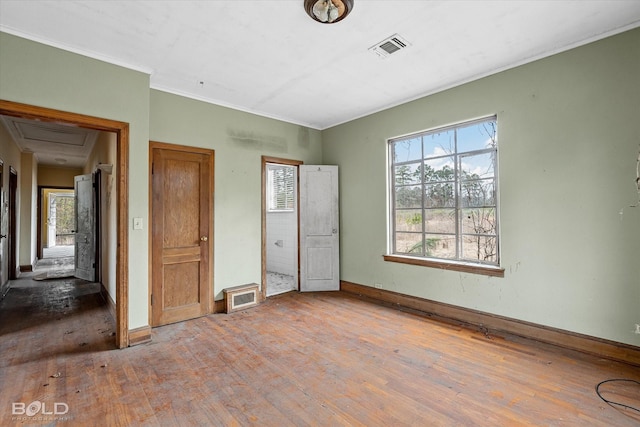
x=232 y=106
x=87 y=53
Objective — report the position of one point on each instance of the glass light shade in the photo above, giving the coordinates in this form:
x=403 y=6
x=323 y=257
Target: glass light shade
x=328 y=11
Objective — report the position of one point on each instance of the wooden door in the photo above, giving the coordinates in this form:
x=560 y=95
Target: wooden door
x=85 y=249
x=319 y=236
x=182 y=221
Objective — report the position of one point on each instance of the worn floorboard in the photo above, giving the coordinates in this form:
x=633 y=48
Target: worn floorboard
x=324 y=359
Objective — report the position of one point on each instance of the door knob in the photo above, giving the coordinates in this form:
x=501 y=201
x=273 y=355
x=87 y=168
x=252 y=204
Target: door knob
x=204 y=238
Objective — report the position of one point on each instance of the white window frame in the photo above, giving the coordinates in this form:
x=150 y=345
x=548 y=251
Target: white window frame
x=458 y=262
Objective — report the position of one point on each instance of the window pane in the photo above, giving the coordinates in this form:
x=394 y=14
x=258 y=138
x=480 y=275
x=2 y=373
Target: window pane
x=440 y=221
x=479 y=221
x=280 y=187
x=407 y=150
x=409 y=243
x=439 y=144
x=441 y=246
x=480 y=248
x=439 y=170
x=478 y=193
x=477 y=136
x=408 y=197
x=409 y=220
x=440 y=195
x=477 y=166
x=407 y=174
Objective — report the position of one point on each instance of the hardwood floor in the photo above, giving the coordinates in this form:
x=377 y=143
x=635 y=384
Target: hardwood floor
x=325 y=359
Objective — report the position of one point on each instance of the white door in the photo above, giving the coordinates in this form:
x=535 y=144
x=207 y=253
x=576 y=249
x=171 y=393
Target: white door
x=319 y=233
x=85 y=238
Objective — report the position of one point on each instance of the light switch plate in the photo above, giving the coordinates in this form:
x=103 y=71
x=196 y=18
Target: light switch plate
x=137 y=223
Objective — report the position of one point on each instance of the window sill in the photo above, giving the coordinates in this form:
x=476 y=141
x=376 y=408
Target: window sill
x=444 y=265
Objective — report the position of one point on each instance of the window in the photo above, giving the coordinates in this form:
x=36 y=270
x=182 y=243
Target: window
x=280 y=188
x=443 y=194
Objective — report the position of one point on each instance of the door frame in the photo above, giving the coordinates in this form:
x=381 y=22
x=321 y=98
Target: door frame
x=278 y=161
x=210 y=304
x=121 y=129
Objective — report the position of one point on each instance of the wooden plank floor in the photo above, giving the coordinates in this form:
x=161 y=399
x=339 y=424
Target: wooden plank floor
x=325 y=359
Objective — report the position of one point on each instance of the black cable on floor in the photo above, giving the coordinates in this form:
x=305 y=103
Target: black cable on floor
x=611 y=402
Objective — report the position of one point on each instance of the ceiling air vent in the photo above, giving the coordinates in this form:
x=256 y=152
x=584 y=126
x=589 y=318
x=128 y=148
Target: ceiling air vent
x=389 y=45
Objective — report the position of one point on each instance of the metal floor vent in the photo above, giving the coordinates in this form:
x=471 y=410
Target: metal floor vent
x=389 y=46
x=240 y=297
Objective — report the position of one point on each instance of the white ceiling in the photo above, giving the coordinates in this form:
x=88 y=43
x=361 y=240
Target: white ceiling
x=268 y=57
x=51 y=143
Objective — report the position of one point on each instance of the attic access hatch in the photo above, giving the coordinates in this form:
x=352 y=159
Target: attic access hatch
x=389 y=46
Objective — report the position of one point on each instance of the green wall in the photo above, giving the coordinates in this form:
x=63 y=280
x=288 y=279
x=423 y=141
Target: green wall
x=36 y=74
x=239 y=140
x=568 y=143
x=568 y=138
x=40 y=75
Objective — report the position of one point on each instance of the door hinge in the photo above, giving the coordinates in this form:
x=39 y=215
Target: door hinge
x=152 y=165
x=151 y=299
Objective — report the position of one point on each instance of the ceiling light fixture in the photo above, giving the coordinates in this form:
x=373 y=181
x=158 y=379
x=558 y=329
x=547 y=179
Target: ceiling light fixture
x=328 y=11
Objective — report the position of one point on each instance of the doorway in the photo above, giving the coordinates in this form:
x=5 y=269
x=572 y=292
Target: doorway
x=55 y=236
x=121 y=130
x=280 y=221
x=317 y=237
x=282 y=228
